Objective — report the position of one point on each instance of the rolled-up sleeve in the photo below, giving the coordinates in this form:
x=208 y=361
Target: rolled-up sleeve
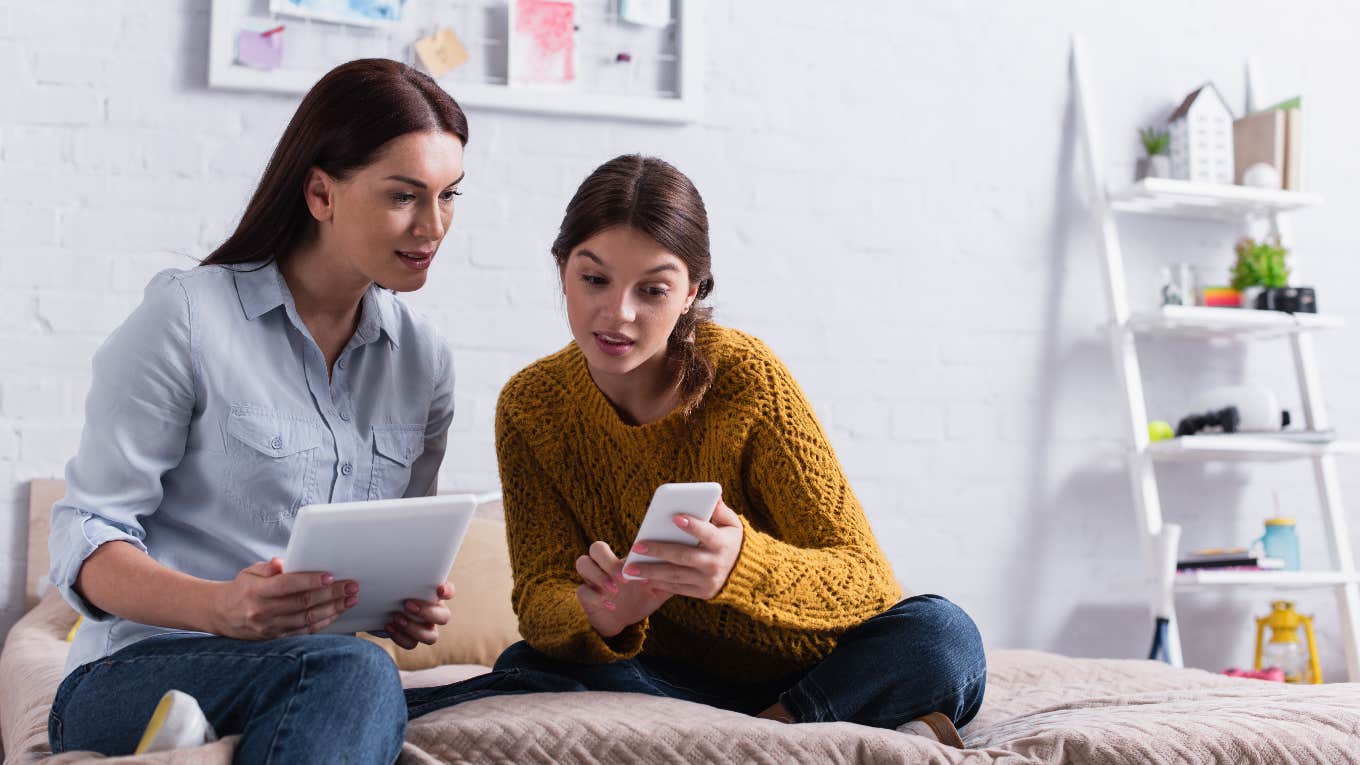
x=137 y=416
x=425 y=470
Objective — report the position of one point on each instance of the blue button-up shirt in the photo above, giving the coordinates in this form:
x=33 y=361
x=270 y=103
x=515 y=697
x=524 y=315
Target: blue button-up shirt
x=211 y=419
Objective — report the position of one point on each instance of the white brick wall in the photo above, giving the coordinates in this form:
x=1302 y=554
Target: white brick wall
x=897 y=208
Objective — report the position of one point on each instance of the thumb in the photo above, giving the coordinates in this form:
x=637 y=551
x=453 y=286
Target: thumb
x=271 y=567
x=725 y=516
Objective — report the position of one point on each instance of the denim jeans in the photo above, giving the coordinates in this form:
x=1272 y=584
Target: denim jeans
x=922 y=655
x=317 y=698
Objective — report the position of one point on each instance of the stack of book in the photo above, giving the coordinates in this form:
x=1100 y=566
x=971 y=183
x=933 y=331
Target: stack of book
x=1273 y=136
x=1230 y=557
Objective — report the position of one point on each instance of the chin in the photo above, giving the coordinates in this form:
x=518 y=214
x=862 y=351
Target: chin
x=403 y=282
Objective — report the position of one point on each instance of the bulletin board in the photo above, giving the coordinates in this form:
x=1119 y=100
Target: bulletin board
x=619 y=68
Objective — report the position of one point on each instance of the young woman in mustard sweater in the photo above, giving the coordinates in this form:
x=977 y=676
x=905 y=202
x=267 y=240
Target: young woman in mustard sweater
x=787 y=609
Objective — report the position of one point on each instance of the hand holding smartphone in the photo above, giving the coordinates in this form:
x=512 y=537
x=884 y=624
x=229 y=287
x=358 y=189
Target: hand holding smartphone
x=670 y=499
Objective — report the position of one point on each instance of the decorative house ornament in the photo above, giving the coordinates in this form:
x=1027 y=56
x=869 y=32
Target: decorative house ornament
x=1202 y=138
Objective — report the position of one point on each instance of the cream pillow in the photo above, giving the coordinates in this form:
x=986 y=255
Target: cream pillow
x=483 y=622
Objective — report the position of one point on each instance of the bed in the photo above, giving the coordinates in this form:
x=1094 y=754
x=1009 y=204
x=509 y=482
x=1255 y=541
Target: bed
x=1040 y=708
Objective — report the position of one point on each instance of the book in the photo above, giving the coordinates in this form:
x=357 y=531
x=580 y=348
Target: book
x=1293 y=150
x=1233 y=557
x=1260 y=137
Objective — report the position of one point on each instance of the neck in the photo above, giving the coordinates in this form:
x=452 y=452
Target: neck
x=323 y=293
x=645 y=394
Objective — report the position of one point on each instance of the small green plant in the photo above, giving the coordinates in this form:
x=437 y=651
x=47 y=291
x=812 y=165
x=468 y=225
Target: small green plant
x=1259 y=264
x=1154 y=141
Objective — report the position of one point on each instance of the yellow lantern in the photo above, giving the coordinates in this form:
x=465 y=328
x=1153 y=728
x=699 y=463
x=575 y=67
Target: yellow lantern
x=1284 y=650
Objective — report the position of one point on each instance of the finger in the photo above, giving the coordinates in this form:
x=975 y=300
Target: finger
x=314 y=617
x=398 y=635
x=284 y=585
x=312 y=629
x=305 y=599
x=593 y=600
x=421 y=632
x=672 y=552
x=606 y=559
x=701 y=530
x=667 y=573
x=444 y=591
x=595 y=576
x=430 y=612
x=725 y=516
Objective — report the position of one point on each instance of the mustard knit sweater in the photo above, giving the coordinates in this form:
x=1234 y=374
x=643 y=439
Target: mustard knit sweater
x=572 y=472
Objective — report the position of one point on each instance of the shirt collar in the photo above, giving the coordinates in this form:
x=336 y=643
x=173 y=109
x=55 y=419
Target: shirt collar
x=261 y=289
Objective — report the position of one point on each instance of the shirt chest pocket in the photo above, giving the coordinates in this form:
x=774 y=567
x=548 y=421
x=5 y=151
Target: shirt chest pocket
x=395 y=449
x=272 y=464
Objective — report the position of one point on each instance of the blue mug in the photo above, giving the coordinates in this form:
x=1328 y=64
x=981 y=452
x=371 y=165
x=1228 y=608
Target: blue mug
x=1281 y=541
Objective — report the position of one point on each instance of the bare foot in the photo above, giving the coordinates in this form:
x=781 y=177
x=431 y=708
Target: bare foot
x=776 y=712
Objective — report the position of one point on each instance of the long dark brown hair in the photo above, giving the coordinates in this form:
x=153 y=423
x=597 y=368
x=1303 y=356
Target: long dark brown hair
x=340 y=126
x=650 y=195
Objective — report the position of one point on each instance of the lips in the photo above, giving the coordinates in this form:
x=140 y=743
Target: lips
x=613 y=343
x=418 y=260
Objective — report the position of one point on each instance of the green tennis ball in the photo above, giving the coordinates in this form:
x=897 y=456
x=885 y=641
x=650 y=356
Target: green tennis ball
x=1160 y=430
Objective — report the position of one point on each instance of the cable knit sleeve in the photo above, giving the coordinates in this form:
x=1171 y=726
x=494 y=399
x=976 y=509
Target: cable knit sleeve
x=545 y=541
x=809 y=561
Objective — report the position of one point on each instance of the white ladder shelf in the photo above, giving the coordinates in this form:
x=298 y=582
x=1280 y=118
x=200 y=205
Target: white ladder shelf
x=1241 y=204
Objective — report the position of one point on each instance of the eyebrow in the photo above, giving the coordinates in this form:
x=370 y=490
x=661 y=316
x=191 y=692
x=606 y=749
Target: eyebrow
x=601 y=263
x=421 y=184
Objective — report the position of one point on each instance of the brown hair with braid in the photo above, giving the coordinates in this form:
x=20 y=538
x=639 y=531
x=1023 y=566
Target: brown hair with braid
x=650 y=195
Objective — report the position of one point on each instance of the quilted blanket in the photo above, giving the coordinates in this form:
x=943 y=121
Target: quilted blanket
x=1040 y=708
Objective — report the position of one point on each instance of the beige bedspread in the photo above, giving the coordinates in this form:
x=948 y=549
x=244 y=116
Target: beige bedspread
x=1039 y=708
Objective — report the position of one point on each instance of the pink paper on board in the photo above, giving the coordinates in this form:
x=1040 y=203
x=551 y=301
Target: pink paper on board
x=259 y=51
x=546 y=31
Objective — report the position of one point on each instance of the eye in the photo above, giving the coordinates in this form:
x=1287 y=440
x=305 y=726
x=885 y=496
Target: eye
x=656 y=291
x=449 y=194
x=593 y=280
x=403 y=198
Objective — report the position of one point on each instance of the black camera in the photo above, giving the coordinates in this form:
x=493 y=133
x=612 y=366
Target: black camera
x=1287 y=299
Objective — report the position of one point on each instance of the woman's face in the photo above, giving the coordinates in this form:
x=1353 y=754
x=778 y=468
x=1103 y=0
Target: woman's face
x=624 y=293
x=387 y=220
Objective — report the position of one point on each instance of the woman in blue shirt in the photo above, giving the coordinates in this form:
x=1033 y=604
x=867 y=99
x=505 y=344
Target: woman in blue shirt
x=282 y=371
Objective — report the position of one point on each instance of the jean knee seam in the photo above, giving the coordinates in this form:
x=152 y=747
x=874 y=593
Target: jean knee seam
x=879 y=722
x=292 y=699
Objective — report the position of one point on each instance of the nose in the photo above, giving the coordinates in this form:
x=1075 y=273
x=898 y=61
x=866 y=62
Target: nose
x=430 y=224
x=621 y=307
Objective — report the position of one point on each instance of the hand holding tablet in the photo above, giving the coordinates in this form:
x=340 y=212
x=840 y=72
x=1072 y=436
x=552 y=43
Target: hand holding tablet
x=397 y=550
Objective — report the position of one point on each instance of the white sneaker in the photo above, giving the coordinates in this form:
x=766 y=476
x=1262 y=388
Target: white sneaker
x=936 y=727
x=178 y=722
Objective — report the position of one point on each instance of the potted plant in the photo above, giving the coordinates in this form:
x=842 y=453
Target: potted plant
x=1259 y=266
x=1157 y=163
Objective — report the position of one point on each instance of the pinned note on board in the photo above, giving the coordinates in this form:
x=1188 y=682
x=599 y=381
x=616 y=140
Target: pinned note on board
x=261 y=50
x=441 y=52
x=648 y=13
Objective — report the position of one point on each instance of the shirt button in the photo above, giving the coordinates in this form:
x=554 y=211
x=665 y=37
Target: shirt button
x=341 y=363
x=277 y=443
x=346 y=468
x=344 y=416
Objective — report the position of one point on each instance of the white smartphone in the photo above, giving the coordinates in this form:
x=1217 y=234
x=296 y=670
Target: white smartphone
x=696 y=499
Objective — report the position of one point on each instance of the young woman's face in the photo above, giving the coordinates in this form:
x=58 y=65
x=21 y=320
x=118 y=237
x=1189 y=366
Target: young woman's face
x=388 y=219
x=624 y=293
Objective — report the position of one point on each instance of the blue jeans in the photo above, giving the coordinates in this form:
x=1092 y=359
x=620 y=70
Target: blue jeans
x=318 y=698
x=922 y=655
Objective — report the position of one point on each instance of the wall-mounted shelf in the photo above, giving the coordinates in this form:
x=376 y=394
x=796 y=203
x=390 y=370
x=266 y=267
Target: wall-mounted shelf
x=1228 y=323
x=1184 y=199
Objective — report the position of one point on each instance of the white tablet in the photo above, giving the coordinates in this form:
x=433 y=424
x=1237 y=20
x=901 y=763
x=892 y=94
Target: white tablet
x=396 y=549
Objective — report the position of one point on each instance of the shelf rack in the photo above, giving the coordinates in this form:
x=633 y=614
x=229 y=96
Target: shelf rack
x=1241 y=206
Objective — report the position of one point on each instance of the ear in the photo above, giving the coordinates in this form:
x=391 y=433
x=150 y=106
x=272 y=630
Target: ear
x=319 y=193
x=691 y=296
